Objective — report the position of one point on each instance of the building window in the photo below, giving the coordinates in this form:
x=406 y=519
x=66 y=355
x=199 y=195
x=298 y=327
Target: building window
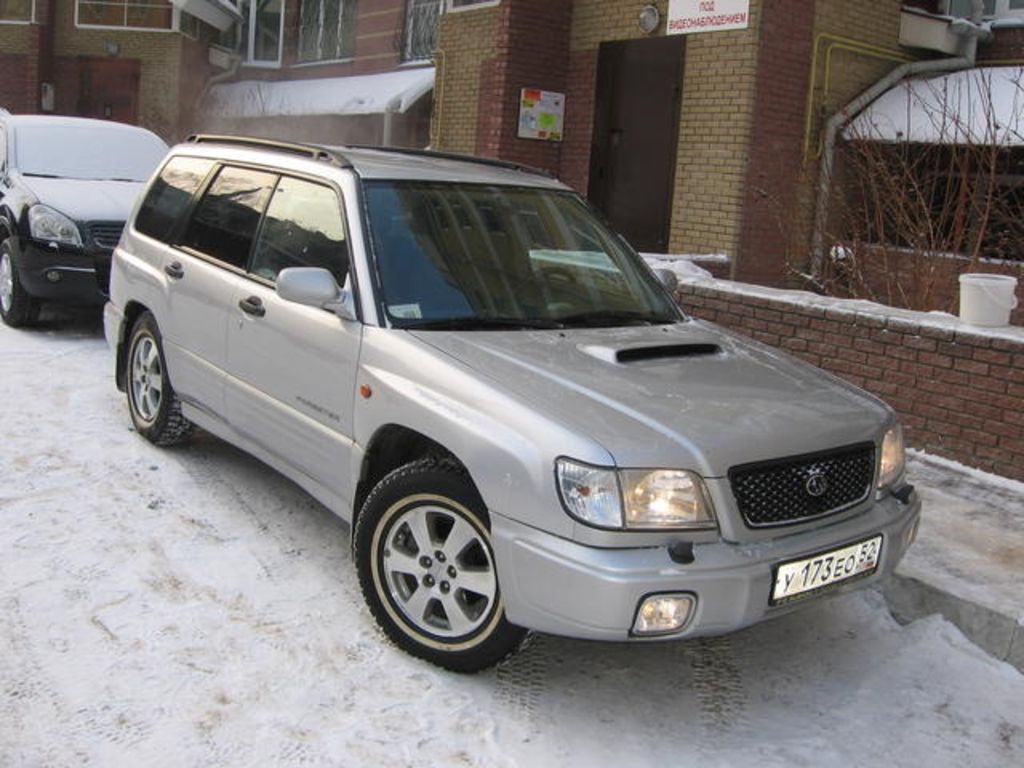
x=327 y=30
x=420 y=38
x=131 y=14
x=262 y=29
x=17 y=11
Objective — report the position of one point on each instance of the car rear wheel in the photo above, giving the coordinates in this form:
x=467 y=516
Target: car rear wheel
x=152 y=402
x=17 y=308
x=426 y=567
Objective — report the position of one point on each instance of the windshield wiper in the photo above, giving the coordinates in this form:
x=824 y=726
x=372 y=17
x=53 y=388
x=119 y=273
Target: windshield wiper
x=604 y=318
x=481 y=324
x=40 y=175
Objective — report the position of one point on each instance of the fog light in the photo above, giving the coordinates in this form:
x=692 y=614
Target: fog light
x=661 y=614
x=53 y=276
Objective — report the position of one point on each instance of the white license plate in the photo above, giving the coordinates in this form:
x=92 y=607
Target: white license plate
x=813 y=573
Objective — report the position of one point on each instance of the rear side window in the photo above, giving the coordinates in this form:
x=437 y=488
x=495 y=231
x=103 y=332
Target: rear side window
x=225 y=221
x=169 y=196
x=303 y=228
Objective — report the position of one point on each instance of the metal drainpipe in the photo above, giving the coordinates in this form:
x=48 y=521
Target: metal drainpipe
x=970 y=33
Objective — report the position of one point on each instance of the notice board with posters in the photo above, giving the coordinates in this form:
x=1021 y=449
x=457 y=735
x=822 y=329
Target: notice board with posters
x=541 y=114
x=686 y=17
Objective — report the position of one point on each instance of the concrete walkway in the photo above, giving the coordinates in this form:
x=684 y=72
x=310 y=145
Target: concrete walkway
x=968 y=561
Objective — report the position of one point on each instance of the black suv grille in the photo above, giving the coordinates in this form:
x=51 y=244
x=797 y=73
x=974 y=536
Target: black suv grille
x=106 y=234
x=797 y=488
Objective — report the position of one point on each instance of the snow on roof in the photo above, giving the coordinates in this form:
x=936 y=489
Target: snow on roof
x=973 y=106
x=393 y=91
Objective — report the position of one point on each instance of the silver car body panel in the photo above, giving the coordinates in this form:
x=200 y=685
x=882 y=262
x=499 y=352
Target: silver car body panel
x=507 y=404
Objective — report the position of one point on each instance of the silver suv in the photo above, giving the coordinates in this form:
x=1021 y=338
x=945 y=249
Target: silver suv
x=523 y=429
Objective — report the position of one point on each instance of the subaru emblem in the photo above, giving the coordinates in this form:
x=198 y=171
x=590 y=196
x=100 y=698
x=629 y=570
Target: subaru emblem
x=817 y=484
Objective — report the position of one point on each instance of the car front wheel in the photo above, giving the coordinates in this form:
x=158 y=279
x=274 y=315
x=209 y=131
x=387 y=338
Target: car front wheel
x=154 y=407
x=17 y=308
x=426 y=567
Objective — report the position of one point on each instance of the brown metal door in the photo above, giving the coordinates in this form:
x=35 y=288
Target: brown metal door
x=636 y=128
x=109 y=89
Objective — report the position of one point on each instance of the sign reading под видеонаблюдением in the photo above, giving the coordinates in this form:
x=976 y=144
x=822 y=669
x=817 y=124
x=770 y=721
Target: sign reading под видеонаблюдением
x=688 y=16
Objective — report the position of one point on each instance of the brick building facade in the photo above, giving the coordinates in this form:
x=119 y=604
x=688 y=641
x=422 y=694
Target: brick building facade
x=752 y=106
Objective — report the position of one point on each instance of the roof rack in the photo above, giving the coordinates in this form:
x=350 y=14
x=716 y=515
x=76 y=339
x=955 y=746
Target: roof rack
x=305 y=150
x=507 y=164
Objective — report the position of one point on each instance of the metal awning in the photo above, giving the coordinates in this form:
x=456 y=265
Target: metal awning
x=983 y=106
x=218 y=13
x=385 y=93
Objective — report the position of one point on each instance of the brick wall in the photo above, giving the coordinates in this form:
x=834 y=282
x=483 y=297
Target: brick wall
x=771 y=189
x=159 y=54
x=958 y=389
x=1007 y=45
x=467 y=40
x=19 y=85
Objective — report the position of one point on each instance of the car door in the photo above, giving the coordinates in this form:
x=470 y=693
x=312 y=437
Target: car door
x=203 y=272
x=291 y=367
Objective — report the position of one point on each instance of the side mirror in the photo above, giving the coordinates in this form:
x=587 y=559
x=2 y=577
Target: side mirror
x=315 y=287
x=668 y=278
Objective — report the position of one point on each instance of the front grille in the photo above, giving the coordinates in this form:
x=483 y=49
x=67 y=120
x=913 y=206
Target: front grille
x=798 y=488
x=106 y=234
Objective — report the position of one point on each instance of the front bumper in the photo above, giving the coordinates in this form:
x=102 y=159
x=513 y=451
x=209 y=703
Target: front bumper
x=64 y=275
x=561 y=587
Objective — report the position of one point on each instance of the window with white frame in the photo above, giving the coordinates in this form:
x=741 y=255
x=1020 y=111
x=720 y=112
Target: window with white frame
x=327 y=30
x=17 y=11
x=262 y=30
x=129 y=14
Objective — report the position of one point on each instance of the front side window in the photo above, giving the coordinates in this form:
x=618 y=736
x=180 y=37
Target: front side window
x=460 y=255
x=262 y=28
x=17 y=11
x=168 y=197
x=131 y=14
x=327 y=30
x=420 y=36
x=303 y=228
x=225 y=221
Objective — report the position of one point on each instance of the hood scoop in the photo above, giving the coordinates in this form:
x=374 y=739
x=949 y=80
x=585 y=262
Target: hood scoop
x=651 y=352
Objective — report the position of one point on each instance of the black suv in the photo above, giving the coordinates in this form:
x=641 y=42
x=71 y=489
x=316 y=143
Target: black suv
x=67 y=186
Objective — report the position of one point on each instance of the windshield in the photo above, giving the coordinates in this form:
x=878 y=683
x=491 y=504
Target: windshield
x=87 y=151
x=487 y=257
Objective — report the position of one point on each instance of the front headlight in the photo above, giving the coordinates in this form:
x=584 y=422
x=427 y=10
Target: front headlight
x=634 y=498
x=893 y=457
x=665 y=498
x=44 y=223
x=590 y=494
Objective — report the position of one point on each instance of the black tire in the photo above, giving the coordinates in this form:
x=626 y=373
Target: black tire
x=440 y=494
x=152 y=402
x=17 y=308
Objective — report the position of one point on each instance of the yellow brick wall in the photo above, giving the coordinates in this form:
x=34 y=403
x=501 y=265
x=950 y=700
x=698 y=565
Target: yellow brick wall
x=855 y=45
x=467 y=39
x=14 y=38
x=159 y=54
x=714 y=138
x=597 y=21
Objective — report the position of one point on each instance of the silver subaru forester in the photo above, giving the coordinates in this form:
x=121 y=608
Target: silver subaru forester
x=523 y=429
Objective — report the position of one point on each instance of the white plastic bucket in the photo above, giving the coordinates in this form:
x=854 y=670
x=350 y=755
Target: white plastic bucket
x=987 y=299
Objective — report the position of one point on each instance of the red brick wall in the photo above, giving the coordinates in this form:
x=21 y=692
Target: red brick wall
x=1007 y=45
x=17 y=84
x=581 y=92
x=776 y=146
x=532 y=52
x=958 y=390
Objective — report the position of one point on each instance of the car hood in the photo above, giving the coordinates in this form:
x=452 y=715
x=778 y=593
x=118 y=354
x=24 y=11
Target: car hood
x=86 y=200
x=687 y=395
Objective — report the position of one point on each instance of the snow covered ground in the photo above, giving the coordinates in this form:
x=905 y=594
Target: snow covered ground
x=189 y=607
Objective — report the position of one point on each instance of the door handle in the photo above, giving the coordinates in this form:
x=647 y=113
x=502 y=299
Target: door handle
x=174 y=270
x=252 y=306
